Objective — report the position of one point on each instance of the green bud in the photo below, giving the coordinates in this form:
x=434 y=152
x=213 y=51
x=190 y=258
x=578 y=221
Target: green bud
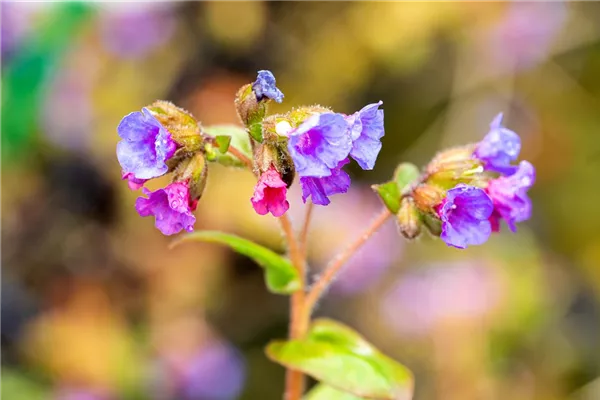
x=408 y=219
x=250 y=111
x=432 y=223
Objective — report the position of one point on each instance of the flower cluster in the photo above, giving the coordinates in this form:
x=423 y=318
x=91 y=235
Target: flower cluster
x=465 y=192
x=314 y=142
x=149 y=149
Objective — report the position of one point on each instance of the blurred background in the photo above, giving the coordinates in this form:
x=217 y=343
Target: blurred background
x=94 y=305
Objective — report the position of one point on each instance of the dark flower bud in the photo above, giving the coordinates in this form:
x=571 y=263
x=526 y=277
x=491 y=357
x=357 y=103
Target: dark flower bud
x=251 y=102
x=409 y=219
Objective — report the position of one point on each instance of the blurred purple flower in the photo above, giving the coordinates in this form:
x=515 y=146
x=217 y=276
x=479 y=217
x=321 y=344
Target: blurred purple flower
x=67 y=112
x=265 y=86
x=509 y=195
x=215 y=372
x=464 y=213
x=524 y=36
x=320 y=188
x=426 y=297
x=170 y=206
x=366 y=130
x=499 y=148
x=319 y=144
x=17 y=20
x=270 y=194
x=146 y=145
x=133 y=30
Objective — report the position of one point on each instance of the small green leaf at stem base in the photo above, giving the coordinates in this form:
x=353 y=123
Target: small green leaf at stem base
x=389 y=194
x=239 y=140
x=280 y=275
x=223 y=142
x=339 y=357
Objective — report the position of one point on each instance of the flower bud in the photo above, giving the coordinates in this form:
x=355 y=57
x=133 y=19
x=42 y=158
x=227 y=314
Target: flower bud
x=409 y=219
x=273 y=154
x=249 y=109
x=194 y=171
x=182 y=126
x=427 y=196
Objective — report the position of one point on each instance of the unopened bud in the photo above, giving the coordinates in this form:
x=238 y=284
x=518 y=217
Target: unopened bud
x=409 y=219
x=194 y=171
x=183 y=127
x=249 y=109
x=432 y=223
x=276 y=155
x=428 y=196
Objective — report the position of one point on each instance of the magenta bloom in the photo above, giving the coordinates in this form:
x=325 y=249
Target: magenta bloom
x=146 y=145
x=270 y=194
x=499 y=148
x=465 y=214
x=133 y=182
x=366 y=130
x=320 y=188
x=265 y=86
x=170 y=206
x=509 y=195
x=319 y=144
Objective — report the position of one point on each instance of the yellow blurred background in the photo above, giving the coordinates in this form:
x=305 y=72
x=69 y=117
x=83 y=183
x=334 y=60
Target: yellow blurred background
x=95 y=306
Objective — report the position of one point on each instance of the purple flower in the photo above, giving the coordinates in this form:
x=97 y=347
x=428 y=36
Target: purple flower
x=146 y=145
x=499 y=148
x=170 y=206
x=321 y=188
x=217 y=372
x=264 y=86
x=319 y=144
x=509 y=195
x=465 y=214
x=367 y=131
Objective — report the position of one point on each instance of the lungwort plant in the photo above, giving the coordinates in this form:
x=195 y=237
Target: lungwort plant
x=461 y=196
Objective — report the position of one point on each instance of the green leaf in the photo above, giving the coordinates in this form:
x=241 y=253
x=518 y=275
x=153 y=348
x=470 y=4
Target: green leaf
x=339 y=357
x=26 y=74
x=324 y=392
x=239 y=140
x=405 y=175
x=389 y=194
x=223 y=142
x=280 y=275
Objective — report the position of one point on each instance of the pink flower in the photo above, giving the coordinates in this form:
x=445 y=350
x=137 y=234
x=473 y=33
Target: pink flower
x=270 y=194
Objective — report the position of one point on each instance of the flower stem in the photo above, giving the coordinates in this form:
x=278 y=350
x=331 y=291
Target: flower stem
x=294 y=380
x=304 y=232
x=337 y=263
x=235 y=152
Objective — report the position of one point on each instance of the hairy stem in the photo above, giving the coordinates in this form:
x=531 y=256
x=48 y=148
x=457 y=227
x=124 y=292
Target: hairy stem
x=294 y=380
x=304 y=232
x=337 y=263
